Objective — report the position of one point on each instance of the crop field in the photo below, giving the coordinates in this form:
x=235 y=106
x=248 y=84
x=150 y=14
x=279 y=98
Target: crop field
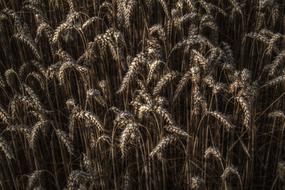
x=142 y=94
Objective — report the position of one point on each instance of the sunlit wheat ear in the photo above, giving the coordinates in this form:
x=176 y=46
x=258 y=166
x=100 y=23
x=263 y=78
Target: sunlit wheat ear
x=236 y=8
x=87 y=163
x=161 y=101
x=141 y=85
x=163 y=144
x=277 y=114
x=120 y=12
x=162 y=112
x=123 y=118
x=71 y=5
x=209 y=81
x=222 y=119
x=182 y=84
x=5 y=148
x=30 y=92
x=272 y=43
x=129 y=137
x=65 y=140
x=41 y=69
x=230 y=171
x=37 y=128
x=37 y=77
x=275 y=81
x=12 y=79
x=27 y=101
x=145 y=96
x=89 y=22
x=96 y=94
x=143 y=110
x=34 y=179
x=164 y=7
x=43 y=28
x=278 y=60
x=207 y=21
x=153 y=49
x=218 y=87
x=114 y=39
x=176 y=130
x=190 y=4
x=21 y=129
x=66 y=25
x=163 y=82
x=135 y=65
x=257 y=36
x=4 y=117
x=280 y=171
x=29 y=42
x=88 y=117
x=33 y=6
x=88 y=54
x=209 y=8
x=19 y=24
x=193 y=40
x=2 y=82
x=198 y=183
x=100 y=140
x=64 y=56
x=109 y=8
x=199 y=100
x=77 y=177
x=200 y=59
x=213 y=152
x=69 y=65
x=246 y=110
x=260 y=20
x=157 y=30
x=275 y=14
x=128 y=11
x=228 y=53
x=105 y=88
x=186 y=18
x=267 y=37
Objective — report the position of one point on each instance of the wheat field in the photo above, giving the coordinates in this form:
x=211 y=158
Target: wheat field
x=142 y=94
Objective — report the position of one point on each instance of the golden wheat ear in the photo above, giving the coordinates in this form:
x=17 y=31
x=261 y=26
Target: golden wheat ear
x=4 y=116
x=135 y=65
x=64 y=138
x=12 y=79
x=129 y=137
x=222 y=119
x=275 y=81
x=37 y=128
x=246 y=110
x=229 y=171
x=163 y=143
x=34 y=179
x=78 y=177
x=213 y=152
x=96 y=94
x=176 y=130
x=197 y=183
x=182 y=84
x=29 y=42
x=6 y=149
x=163 y=81
x=277 y=114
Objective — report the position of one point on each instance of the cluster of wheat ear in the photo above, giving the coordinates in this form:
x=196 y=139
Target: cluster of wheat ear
x=142 y=94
